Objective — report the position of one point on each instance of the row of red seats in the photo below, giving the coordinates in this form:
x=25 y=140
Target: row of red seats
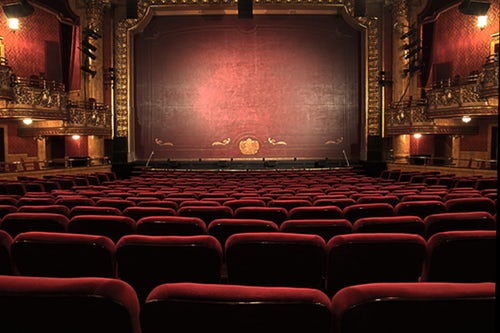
x=102 y=305
x=325 y=221
x=256 y=258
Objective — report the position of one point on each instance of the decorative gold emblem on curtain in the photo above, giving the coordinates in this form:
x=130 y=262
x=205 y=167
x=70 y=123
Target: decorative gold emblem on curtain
x=249 y=146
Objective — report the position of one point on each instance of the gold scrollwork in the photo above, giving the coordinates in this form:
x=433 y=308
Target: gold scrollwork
x=224 y=142
x=334 y=142
x=275 y=142
x=160 y=142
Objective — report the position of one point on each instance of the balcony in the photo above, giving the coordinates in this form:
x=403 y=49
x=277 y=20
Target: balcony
x=46 y=103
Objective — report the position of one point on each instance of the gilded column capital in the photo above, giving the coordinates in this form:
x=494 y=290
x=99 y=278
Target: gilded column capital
x=94 y=10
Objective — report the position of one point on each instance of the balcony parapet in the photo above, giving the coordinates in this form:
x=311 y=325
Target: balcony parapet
x=462 y=96
x=488 y=78
x=35 y=98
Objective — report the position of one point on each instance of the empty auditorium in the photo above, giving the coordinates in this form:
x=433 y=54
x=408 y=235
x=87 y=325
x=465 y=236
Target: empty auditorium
x=248 y=166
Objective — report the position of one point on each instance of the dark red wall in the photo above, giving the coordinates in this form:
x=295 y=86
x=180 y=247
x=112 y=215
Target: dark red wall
x=293 y=79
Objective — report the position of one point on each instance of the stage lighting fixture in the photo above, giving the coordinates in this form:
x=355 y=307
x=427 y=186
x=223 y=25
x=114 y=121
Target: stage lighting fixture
x=87 y=32
x=88 y=71
x=474 y=7
x=18 y=9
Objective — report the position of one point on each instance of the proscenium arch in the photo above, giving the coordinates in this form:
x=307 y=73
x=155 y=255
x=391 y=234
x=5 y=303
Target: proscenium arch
x=124 y=30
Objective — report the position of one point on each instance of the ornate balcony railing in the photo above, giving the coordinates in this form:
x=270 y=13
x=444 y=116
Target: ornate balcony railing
x=458 y=97
x=408 y=116
x=488 y=78
x=36 y=98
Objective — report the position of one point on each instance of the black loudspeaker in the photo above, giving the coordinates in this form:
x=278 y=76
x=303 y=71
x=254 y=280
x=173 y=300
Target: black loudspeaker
x=359 y=8
x=131 y=9
x=245 y=8
x=474 y=7
x=18 y=9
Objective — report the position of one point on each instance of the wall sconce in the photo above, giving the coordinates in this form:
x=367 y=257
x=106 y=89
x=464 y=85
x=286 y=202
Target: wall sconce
x=466 y=119
x=75 y=137
x=482 y=21
x=27 y=121
x=13 y=24
x=417 y=135
x=13 y=11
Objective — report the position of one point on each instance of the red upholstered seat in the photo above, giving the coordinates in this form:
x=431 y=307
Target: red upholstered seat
x=227 y=308
x=206 y=213
x=148 y=261
x=34 y=201
x=53 y=208
x=275 y=214
x=471 y=204
x=72 y=201
x=276 y=259
x=315 y=212
x=63 y=255
x=237 y=203
x=461 y=256
x=357 y=211
x=15 y=223
x=458 y=221
x=137 y=213
x=373 y=257
x=421 y=208
x=325 y=228
x=79 y=305
x=404 y=224
x=121 y=204
x=111 y=226
x=171 y=226
x=223 y=228
x=5 y=258
x=415 y=307
x=93 y=210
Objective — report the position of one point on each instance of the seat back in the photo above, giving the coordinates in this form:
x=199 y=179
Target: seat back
x=59 y=305
x=420 y=208
x=18 y=222
x=58 y=209
x=461 y=256
x=5 y=257
x=357 y=211
x=472 y=204
x=458 y=221
x=136 y=213
x=404 y=224
x=148 y=261
x=227 y=308
x=415 y=307
x=275 y=214
x=171 y=226
x=206 y=213
x=373 y=257
x=111 y=226
x=222 y=229
x=325 y=228
x=63 y=255
x=315 y=212
x=276 y=259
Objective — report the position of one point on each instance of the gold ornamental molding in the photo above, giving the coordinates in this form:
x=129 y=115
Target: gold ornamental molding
x=123 y=48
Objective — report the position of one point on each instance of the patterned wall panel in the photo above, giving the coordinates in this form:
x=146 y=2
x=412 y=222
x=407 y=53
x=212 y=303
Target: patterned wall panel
x=25 y=49
x=459 y=41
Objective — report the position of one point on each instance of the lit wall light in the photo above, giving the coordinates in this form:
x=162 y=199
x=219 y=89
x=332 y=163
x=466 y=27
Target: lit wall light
x=27 y=121
x=417 y=135
x=466 y=119
x=75 y=137
x=482 y=21
x=13 y=24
